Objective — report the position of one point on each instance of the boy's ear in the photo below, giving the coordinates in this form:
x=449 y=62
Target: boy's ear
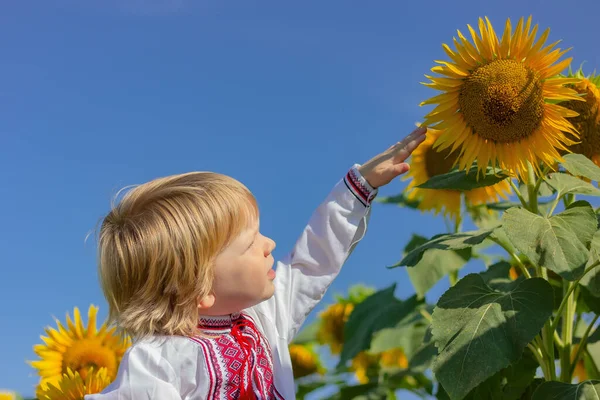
x=206 y=302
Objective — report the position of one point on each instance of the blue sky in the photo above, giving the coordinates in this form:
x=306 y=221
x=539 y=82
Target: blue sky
x=96 y=95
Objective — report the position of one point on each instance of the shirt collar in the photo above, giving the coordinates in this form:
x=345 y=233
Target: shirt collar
x=217 y=322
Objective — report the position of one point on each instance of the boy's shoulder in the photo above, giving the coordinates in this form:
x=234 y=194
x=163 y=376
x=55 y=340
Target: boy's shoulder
x=173 y=350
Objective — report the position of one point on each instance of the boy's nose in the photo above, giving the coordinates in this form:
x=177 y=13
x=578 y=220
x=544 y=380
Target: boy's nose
x=271 y=245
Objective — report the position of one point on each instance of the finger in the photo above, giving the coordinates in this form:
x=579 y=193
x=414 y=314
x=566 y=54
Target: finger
x=413 y=144
x=407 y=149
x=417 y=133
x=420 y=131
x=401 y=168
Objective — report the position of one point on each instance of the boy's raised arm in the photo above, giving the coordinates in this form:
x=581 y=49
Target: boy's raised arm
x=334 y=229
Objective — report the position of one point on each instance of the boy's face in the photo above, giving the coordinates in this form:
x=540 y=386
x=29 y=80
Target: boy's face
x=243 y=273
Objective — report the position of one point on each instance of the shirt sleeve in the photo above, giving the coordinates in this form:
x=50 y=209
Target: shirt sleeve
x=305 y=274
x=143 y=375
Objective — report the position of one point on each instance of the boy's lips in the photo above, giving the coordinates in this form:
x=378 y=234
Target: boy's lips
x=271 y=274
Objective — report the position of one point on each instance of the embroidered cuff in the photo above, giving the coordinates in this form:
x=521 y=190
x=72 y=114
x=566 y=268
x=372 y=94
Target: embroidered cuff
x=359 y=186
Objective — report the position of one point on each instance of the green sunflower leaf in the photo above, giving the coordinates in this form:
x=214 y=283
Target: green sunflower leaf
x=503 y=205
x=565 y=183
x=559 y=243
x=497 y=276
x=406 y=336
x=483 y=217
x=454 y=241
x=591 y=281
x=580 y=165
x=305 y=389
x=434 y=264
x=479 y=331
x=591 y=301
x=424 y=355
x=308 y=333
x=401 y=200
x=367 y=391
x=465 y=180
x=588 y=390
x=519 y=376
x=378 y=311
x=592 y=357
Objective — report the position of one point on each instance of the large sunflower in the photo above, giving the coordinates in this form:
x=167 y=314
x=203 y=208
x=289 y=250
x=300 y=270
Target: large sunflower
x=587 y=122
x=498 y=100
x=305 y=361
x=77 y=348
x=428 y=162
x=72 y=386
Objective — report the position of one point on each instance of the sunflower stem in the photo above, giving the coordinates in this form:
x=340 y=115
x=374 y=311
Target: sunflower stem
x=548 y=340
x=564 y=303
x=558 y=341
x=458 y=224
x=567 y=331
x=537 y=353
x=448 y=225
x=582 y=345
x=426 y=315
x=546 y=362
x=521 y=266
x=539 y=182
x=511 y=252
x=554 y=204
x=453 y=277
x=518 y=193
x=572 y=287
x=532 y=188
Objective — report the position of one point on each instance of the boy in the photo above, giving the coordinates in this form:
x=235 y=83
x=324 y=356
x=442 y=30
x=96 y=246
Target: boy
x=187 y=273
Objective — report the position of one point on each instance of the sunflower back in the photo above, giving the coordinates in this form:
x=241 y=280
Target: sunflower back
x=157 y=247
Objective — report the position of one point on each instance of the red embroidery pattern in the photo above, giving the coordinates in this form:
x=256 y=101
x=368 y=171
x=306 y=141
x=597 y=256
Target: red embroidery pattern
x=239 y=363
x=353 y=182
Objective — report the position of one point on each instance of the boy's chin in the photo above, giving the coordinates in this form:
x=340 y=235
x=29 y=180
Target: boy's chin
x=269 y=292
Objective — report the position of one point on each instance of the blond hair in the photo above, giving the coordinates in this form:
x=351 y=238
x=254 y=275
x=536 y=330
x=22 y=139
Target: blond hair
x=157 y=248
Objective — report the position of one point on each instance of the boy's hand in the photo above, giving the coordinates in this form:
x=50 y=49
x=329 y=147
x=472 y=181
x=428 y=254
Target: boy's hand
x=381 y=169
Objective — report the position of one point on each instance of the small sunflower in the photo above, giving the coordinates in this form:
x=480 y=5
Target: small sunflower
x=366 y=364
x=394 y=358
x=331 y=329
x=363 y=365
x=427 y=162
x=514 y=273
x=9 y=395
x=305 y=361
x=334 y=318
x=72 y=386
x=78 y=348
x=498 y=101
x=587 y=122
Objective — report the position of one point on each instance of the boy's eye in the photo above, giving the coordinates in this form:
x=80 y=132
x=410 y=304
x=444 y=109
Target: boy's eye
x=253 y=242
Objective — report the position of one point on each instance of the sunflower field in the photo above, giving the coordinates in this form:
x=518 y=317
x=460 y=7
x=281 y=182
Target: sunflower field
x=513 y=149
